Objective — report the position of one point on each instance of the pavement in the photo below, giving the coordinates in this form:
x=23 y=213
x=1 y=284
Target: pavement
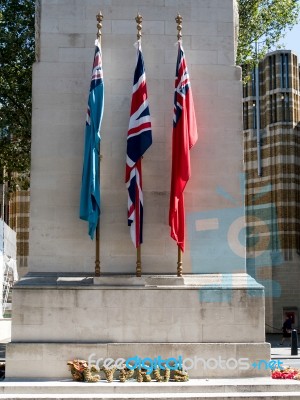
x=283 y=353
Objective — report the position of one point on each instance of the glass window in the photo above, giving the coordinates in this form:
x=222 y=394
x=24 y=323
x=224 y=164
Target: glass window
x=285 y=106
x=284 y=75
x=253 y=82
x=272 y=72
x=254 y=114
x=245 y=115
x=273 y=109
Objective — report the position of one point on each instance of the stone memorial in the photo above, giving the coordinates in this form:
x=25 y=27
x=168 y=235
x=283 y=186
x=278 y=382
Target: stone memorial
x=61 y=311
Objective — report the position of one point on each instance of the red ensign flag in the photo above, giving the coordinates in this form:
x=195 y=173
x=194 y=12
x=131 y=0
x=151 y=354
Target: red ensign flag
x=184 y=137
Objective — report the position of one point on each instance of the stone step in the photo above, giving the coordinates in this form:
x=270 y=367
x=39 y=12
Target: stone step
x=195 y=387
x=164 y=396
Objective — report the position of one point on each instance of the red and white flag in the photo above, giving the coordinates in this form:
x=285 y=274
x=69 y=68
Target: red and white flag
x=184 y=137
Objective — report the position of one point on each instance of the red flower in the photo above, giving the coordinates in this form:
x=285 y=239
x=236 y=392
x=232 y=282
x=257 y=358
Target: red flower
x=286 y=373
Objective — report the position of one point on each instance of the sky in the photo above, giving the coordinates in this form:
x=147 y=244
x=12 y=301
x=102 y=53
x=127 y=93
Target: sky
x=292 y=39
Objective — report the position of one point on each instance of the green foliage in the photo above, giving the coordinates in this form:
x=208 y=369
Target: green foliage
x=16 y=59
x=265 y=22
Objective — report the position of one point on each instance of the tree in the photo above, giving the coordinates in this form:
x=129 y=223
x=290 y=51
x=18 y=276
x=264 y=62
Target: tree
x=265 y=22
x=16 y=59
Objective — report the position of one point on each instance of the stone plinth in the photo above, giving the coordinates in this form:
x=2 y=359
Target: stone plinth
x=49 y=360
x=203 y=316
x=204 y=308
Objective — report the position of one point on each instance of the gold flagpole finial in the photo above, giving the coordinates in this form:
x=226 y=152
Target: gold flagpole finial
x=99 y=18
x=179 y=20
x=139 y=20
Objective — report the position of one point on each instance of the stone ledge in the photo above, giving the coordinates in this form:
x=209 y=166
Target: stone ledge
x=241 y=385
x=191 y=281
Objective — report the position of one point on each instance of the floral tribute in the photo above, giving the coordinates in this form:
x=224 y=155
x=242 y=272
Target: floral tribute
x=286 y=373
x=82 y=372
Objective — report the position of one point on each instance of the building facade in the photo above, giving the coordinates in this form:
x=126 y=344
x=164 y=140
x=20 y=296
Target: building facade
x=272 y=192
x=19 y=207
x=14 y=210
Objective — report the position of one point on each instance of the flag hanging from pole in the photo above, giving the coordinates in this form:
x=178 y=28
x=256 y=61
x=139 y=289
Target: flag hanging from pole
x=184 y=137
x=139 y=139
x=90 y=187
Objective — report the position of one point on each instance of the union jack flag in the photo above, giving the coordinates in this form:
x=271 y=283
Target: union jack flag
x=139 y=139
x=90 y=187
x=184 y=137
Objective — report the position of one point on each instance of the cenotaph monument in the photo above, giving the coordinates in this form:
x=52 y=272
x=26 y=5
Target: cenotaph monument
x=61 y=311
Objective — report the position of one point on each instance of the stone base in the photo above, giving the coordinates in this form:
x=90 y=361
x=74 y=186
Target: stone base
x=204 y=360
x=208 y=316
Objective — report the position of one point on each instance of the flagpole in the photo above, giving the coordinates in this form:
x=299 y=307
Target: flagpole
x=179 y=19
x=99 y=18
x=138 y=271
x=179 y=261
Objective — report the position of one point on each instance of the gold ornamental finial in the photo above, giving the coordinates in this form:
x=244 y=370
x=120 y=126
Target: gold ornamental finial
x=99 y=18
x=139 y=20
x=179 y=20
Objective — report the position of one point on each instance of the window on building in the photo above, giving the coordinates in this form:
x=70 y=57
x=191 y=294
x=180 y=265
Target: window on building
x=245 y=90
x=287 y=70
x=284 y=74
x=294 y=75
x=273 y=109
x=285 y=106
x=254 y=114
x=272 y=72
x=245 y=116
x=253 y=82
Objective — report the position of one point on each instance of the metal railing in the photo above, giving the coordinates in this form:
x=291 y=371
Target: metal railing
x=7 y=285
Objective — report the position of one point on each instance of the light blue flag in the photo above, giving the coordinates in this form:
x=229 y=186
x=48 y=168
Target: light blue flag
x=90 y=187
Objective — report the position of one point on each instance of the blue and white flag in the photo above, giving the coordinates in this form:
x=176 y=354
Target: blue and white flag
x=90 y=187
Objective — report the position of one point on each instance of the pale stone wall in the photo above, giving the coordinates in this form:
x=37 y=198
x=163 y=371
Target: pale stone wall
x=58 y=239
